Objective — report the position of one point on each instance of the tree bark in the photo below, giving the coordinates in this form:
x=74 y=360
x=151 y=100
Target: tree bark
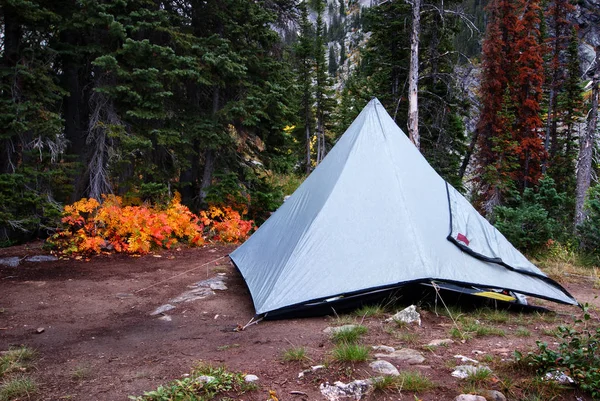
x=12 y=42
x=413 y=75
x=584 y=165
x=209 y=153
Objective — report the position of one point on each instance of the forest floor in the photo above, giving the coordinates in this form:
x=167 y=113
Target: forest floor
x=99 y=341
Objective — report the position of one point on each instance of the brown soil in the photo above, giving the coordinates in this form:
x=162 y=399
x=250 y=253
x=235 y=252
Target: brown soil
x=100 y=343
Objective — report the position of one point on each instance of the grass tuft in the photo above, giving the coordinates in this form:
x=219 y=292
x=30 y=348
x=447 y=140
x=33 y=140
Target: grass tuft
x=479 y=377
x=17 y=388
x=407 y=380
x=349 y=335
x=414 y=381
x=522 y=332
x=16 y=360
x=346 y=352
x=370 y=311
x=295 y=354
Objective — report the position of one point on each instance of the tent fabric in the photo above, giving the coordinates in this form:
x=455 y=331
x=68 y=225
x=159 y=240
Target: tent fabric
x=373 y=215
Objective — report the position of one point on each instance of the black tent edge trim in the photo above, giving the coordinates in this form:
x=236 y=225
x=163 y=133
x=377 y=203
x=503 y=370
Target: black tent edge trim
x=499 y=261
x=339 y=298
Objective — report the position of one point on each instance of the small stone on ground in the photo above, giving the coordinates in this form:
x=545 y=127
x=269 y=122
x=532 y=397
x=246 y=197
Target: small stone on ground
x=493 y=395
x=10 y=262
x=383 y=348
x=469 y=397
x=438 y=343
x=162 y=309
x=407 y=315
x=384 y=367
x=339 y=391
x=337 y=329
x=42 y=258
x=464 y=371
x=250 y=378
x=411 y=356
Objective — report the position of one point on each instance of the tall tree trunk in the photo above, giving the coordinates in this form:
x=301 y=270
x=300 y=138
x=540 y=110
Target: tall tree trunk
x=467 y=158
x=549 y=123
x=308 y=161
x=413 y=75
x=209 y=153
x=584 y=167
x=12 y=42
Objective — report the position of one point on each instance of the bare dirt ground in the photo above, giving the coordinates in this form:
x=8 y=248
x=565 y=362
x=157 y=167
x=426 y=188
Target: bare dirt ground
x=100 y=342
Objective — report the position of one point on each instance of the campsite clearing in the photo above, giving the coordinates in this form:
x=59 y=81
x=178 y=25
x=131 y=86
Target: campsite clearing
x=99 y=341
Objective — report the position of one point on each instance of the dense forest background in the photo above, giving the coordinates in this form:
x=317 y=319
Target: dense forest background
x=233 y=102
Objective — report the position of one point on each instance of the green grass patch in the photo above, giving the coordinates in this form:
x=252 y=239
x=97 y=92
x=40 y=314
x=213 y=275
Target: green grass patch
x=295 y=354
x=370 y=311
x=414 y=381
x=461 y=335
x=349 y=335
x=407 y=380
x=17 y=387
x=16 y=360
x=479 y=377
x=492 y=315
x=348 y=352
x=522 y=332
x=196 y=388
x=472 y=329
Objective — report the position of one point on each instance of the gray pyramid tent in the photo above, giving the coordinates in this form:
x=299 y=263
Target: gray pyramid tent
x=374 y=215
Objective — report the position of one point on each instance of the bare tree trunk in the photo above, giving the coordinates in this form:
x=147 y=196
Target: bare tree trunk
x=586 y=150
x=467 y=158
x=413 y=75
x=308 y=158
x=209 y=153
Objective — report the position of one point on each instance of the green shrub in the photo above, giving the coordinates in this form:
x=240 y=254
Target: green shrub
x=192 y=388
x=589 y=230
x=577 y=355
x=528 y=224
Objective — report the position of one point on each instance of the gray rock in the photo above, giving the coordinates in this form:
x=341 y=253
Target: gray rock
x=205 y=379
x=124 y=295
x=464 y=371
x=340 y=391
x=250 y=378
x=215 y=283
x=10 y=262
x=201 y=290
x=42 y=258
x=558 y=377
x=411 y=356
x=165 y=318
x=162 y=309
x=193 y=295
x=337 y=329
x=311 y=370
x=384 y=367
x=469 y=397
x=438 y=343
x=383 y=348
x=465 y=359
x=407 y=315
x=493 y=395
x=39 y=330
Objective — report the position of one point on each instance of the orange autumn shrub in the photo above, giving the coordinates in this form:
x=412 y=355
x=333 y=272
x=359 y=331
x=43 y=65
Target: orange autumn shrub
x=91 y=227
x=223 y=224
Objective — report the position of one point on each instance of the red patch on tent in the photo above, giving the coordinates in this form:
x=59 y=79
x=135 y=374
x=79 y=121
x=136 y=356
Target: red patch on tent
x=462 y=238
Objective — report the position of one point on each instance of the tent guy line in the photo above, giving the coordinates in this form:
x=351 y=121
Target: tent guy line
x=181 y=274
